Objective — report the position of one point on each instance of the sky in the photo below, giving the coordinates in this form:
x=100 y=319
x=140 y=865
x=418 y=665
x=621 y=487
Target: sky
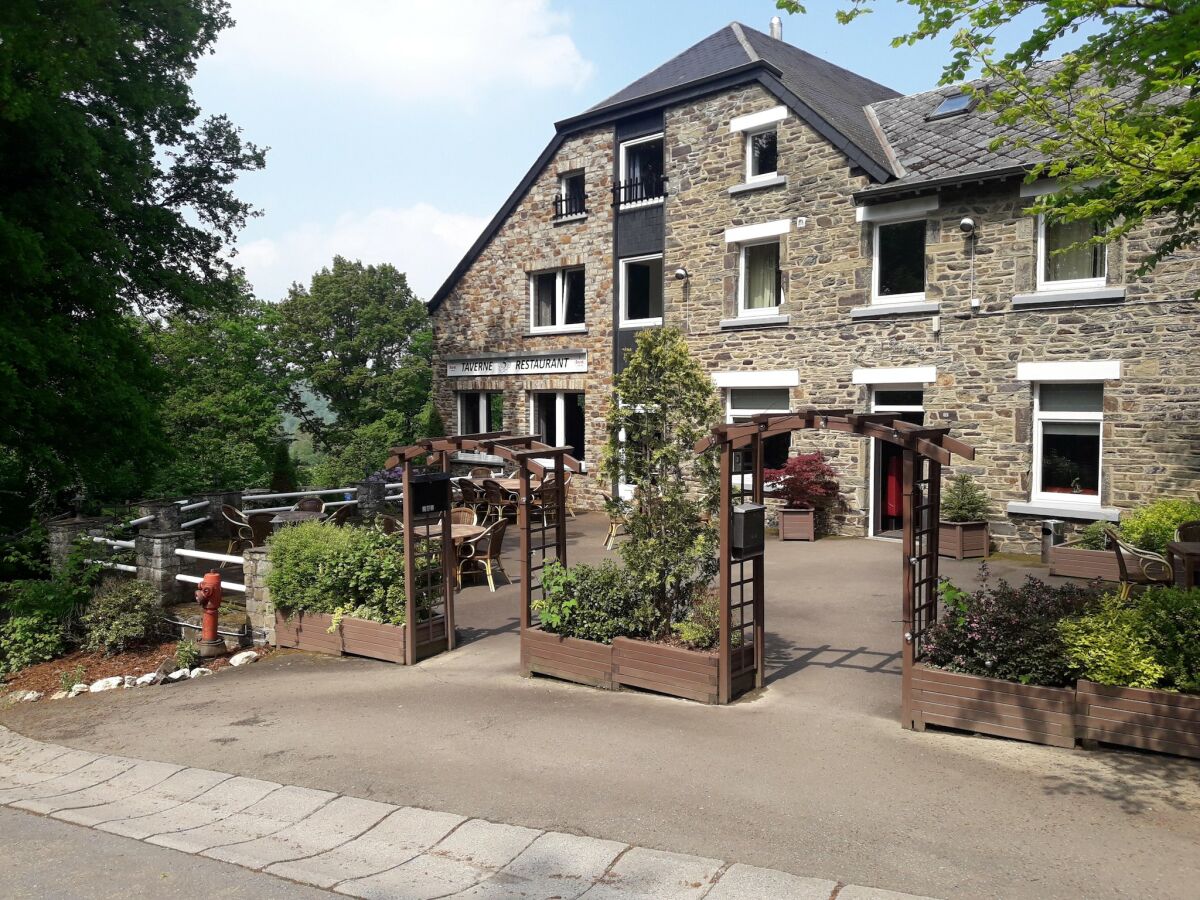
x=397 y=128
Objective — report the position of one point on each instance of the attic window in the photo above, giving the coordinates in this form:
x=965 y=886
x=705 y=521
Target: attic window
x=954 y=105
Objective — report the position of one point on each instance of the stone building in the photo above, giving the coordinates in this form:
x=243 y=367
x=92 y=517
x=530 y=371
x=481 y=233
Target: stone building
x=823 y=241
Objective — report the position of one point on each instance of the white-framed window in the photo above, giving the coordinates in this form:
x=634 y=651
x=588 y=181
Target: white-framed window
x=760 y=281
x=556 y=300
x=1068 y=420
x=1080 y=268
x=480 y=412
x=762 y=154
x=571 y=201
x=741 y=404
x=898 y=262
x=641 y=291
x=642 y=179
x=559 y=417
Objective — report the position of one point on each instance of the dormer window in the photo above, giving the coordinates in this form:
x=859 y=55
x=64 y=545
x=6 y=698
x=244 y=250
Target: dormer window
x=571 y=200
x=762 y=155
x=642 y=180
x=954 y=105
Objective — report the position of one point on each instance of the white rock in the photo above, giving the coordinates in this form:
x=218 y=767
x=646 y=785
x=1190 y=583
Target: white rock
x=26 y=696
x=78 y=689
x=59 y=695
x=200 y=672
x=148 y=678
x=107 y=684
x=130 y=681
x=243 y=658
x=176 y=676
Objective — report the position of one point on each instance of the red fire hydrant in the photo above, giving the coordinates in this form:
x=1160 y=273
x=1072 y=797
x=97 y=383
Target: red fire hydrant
x=208 y=595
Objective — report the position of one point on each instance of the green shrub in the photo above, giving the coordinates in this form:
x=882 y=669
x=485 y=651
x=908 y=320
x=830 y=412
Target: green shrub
x=1092 y=537
x=964 y=501
x=1007 y=631
x=320 y=567
x=1152 y=526
x=596 y=603
x=29 y=639
x=123 y=615
x=701 y=629
x=187 y=654
x=1109 y=646
x=1171 y=625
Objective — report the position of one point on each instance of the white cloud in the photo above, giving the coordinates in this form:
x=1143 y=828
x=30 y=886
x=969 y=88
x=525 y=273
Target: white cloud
x=421 y=241
x=426 y=50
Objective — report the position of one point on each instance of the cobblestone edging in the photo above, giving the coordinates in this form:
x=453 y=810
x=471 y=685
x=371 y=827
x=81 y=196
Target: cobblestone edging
x=363 y=848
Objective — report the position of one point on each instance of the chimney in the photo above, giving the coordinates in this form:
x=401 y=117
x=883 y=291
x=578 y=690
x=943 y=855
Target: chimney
x=777 y=28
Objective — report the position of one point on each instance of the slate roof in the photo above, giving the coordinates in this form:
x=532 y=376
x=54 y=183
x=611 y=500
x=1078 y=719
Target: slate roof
x=835 y=94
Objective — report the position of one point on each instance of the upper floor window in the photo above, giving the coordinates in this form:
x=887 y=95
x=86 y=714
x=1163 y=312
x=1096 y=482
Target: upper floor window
x=642 y=179
x=556 y=300
x=1066 y=441
x=741 y=405
x=1079 y=267
x=899 y=263
x=571 y=199
x=642 y=291
x=762 y=155
x=760 y=282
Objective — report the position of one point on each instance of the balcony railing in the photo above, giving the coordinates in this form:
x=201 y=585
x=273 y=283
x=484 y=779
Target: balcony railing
x=639 y=190
x=570 y=205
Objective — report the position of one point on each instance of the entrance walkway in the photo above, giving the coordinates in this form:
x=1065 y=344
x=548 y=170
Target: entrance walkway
x=813 y=776
x=363 y=848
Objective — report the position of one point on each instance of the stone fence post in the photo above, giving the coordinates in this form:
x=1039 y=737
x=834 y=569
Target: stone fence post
x=259 y=608
x=64 y=533
x=158 y=564
x=166 y=516
x=370 y=499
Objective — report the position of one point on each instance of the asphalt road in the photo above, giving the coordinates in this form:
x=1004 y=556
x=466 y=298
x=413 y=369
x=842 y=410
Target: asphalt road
x=813 y=775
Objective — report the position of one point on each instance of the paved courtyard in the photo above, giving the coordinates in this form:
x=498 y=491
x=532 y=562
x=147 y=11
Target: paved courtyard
x=812 y=776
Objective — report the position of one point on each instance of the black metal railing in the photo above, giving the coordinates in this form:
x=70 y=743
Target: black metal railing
x=637 y=190
x=570 y=205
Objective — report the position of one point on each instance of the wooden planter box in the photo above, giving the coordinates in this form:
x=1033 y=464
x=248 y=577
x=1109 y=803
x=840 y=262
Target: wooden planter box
x=963 y=540
x=1074 y=562
x=1137 y=717
x=1041 y=715
x=797 y=524
x=676 y=671
x=357 y=637
x=571 y=659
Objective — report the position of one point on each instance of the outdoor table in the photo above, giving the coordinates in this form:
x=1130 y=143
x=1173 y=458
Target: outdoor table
x=1188 y=553
x=508 y=484
x=460 y=532
x=292 y=516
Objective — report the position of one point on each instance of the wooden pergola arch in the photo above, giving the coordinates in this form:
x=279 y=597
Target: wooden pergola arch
x=925 y=450
x=543 y=535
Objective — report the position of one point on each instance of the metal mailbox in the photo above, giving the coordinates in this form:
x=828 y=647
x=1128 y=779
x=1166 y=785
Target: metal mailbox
x=748 y=531
x=430 y=494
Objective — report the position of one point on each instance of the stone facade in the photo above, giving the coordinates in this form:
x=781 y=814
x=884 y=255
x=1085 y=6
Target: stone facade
x=1151 y=414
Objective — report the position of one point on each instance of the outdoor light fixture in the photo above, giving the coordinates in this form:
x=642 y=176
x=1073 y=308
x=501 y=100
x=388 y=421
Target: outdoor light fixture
x=681 y=274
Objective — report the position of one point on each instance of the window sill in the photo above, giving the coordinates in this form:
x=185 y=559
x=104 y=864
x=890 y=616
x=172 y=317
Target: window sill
x=1064 y=508
x=756 y=322
x=759 y=185
x=1079 y=295
x=635 y=324
x=565 y=329
x=576 y=217
x=880 y=310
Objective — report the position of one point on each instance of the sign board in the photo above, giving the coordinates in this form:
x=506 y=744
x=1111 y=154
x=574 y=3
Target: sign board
x=566 y=362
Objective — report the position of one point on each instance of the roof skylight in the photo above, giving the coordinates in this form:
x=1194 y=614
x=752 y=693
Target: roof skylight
x=952 y=106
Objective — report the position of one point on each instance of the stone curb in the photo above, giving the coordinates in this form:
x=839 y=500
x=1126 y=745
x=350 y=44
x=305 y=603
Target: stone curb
x=363 y=848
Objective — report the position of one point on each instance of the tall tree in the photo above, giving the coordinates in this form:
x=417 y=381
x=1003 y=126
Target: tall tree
x=1118 y=118
x=360 y=338
x=115 y=203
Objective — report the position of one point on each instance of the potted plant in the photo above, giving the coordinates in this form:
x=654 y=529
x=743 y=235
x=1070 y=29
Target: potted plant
x=805 y=483
x=963 y=531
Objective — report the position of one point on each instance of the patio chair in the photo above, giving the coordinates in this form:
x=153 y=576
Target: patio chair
x=1188 y=531
x=473 y=498
x=484 y=551
x=1138 y=567
x=567 y=487
x=543 y=499
x=616 y=520
x=241 y=535
x=462 y=515
x=343 y=514
x=482 y=472
x=310 y=504
x=499 y=501
x=389 y=524
x=260 y=525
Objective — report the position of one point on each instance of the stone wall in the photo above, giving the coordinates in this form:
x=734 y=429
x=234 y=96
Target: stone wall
x=259 y=608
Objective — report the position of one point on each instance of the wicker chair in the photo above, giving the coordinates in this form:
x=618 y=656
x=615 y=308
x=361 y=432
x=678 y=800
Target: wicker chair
x=462 y=515
x=482 y=472
x=342 y=515
x=1137 y=566
x=310 y=504
x=260 y=525
x=616 y=520
x=390 y=524
x=484 y=551
x=241 y=535
x=473 y=498
x=1188 y=531
x=567 y=487
x=500 y=502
